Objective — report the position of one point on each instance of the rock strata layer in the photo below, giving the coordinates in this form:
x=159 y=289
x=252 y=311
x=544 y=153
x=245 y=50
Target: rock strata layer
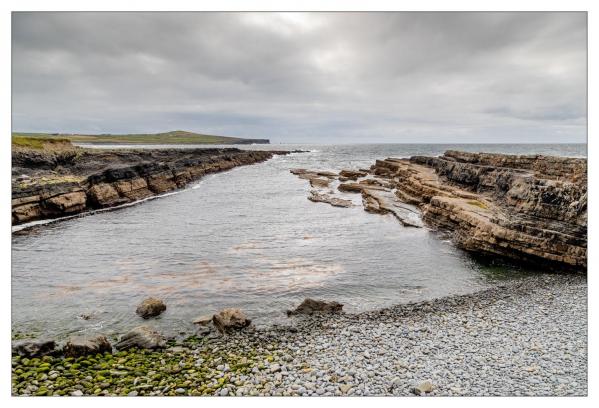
x=52 y=184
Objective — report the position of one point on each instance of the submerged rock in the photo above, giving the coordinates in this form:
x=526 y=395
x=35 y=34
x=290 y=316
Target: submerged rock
x=29 y=348
x=142 y=337
x=230 y=319
x=150 y=307
x=85 y=345
x=311 y=306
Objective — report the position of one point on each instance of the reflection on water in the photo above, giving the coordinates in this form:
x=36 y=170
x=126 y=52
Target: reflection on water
x=247 y=238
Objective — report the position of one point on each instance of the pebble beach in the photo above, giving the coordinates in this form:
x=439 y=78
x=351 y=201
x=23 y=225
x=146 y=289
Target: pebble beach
x=526 y=337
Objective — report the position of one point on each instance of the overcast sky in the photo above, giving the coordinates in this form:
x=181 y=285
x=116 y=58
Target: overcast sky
x=304 y=77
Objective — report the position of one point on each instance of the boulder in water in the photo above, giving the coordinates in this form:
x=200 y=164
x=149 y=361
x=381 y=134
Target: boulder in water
x=150 y=307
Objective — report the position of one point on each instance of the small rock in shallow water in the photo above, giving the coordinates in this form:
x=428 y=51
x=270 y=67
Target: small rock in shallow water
x=150 y=307
x=77 y=393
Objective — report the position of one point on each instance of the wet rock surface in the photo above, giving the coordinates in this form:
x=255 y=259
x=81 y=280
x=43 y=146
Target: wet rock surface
x=51 y=184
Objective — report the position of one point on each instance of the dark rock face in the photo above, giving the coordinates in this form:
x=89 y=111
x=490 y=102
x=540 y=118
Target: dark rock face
x=150 y=307
x=142 y=337
x=57 y=184
x=228 y=320
x=82 y=346
x=311 y=306
x=29 y=349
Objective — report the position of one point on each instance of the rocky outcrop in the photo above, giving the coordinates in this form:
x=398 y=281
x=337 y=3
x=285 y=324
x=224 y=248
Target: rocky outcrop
x=142 y=337
x=527 y=208
x=531 y=209
x=311 y=306
x=85 y=345
x=228 y=320
x=56 y=184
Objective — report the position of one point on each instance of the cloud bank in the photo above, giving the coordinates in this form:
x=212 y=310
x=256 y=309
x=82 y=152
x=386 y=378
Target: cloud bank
x=305 y=77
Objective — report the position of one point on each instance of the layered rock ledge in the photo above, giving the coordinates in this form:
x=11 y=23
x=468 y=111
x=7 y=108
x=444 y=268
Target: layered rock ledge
x=532 y=209
x=52 y=184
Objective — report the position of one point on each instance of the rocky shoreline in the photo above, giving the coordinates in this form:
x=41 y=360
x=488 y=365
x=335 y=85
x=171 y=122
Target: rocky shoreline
x=531 y=209
x=50 y=184
x=527 y=337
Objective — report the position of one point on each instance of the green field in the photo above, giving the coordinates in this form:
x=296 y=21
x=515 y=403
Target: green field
x=39 y=142
x=174 y=137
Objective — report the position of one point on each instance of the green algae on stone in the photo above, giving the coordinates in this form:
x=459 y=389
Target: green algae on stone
x=142 y=371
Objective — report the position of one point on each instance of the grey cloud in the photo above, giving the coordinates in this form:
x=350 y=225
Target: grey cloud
x=313 y=77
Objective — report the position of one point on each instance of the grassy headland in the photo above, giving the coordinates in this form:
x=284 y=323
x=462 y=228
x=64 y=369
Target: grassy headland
x=40 y=143
x=173 y=137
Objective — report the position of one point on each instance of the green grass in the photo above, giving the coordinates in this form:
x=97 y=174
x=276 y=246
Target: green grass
x=38 y=142
x=174 y=137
